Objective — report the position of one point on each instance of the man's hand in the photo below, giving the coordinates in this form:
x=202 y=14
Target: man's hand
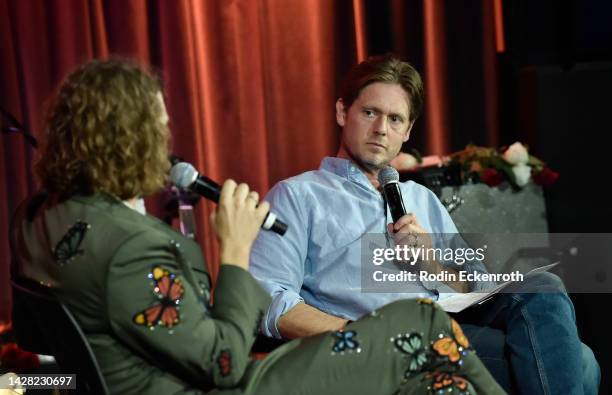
x=237 y=221
x=407 y=231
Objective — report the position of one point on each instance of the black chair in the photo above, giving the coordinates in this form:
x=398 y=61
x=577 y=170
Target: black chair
x=44 y=325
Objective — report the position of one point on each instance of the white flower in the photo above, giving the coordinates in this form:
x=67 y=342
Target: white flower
x=522 y=174
x=516 y=154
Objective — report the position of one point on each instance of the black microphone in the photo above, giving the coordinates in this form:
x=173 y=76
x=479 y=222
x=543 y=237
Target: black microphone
x=388 y=177
x=184 y=175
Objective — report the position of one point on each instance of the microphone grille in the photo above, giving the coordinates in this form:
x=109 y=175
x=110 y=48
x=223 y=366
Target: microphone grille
x=183 y=174
x=388 y=174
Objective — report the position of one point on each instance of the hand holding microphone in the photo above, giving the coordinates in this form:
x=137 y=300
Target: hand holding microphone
x=184 y=175
x=238 y=217
x=405 y=229
x=237 y=221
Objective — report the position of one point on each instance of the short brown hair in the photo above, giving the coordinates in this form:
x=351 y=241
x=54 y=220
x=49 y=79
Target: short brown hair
x=385 y=68
x=105 y=134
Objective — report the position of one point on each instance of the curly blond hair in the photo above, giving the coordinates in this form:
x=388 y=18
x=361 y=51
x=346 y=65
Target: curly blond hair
x=106 y=133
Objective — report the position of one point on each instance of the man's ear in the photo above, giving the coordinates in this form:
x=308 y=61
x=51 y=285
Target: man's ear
x=340 y=113
x=407 y=136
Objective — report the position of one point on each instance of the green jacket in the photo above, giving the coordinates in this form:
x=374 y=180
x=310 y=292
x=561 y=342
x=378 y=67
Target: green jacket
x=141 y=293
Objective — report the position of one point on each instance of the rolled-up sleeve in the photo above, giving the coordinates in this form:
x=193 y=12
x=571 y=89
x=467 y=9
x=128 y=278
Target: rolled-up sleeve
x=277 y=262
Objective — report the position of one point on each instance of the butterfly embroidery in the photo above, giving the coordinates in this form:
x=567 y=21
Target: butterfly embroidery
x=164 y=312
x=68 y=247
x=442 y=380
x=412 y=345
x=461 y=339
x=345 y=341
x=224 y=360
x=447 y=347
x=427 y=301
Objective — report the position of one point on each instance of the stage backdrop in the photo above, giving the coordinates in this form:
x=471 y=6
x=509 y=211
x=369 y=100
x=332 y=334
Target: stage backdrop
x=250 y=85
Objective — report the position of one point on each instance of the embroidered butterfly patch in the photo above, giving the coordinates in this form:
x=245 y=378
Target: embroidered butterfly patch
x=165 y=311
x=427 y=301
x=68 y=247
x=412 y=345
x=448 y=347
x=461 y=339
x=453 y=348
x=345 y=341
x=445 y=382
x=224 y=360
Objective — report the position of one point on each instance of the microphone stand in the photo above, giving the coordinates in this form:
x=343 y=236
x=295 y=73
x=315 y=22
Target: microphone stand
x=180 y=204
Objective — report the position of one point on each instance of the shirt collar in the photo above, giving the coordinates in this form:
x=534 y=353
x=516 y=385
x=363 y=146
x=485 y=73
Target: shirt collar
x=346 y=169
x=139 y=206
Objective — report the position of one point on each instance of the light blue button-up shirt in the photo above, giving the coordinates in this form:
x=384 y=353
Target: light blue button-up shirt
x=318 y=260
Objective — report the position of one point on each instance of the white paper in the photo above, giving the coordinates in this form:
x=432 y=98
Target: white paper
x=459 y=302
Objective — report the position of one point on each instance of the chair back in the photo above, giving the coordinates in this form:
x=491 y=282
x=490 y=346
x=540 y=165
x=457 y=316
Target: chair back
x=44 y=325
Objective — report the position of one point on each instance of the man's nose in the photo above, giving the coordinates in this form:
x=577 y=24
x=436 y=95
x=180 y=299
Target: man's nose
x=381 y=125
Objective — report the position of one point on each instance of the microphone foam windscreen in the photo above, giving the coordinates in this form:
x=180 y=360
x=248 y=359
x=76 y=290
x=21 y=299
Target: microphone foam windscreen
x=388 y=174
x=183 y=174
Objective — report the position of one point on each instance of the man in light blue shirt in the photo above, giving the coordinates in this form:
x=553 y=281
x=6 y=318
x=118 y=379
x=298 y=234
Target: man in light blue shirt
x=313 y=272
x=329 y=211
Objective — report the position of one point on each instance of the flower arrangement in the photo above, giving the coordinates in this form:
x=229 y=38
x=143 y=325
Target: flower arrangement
x=513 y=164
x=487 y=165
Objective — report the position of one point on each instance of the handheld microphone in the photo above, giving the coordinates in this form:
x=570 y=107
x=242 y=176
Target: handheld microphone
x=388 y=177
x=184 y=175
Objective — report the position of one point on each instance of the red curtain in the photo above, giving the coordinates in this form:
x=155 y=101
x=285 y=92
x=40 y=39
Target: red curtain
x=250 y=85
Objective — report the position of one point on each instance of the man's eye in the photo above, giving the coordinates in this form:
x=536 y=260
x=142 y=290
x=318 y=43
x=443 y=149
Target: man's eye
x=369 y=113
x=396 y=119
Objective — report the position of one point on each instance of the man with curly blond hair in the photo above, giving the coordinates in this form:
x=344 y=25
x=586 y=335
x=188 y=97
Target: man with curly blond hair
x=120 y=152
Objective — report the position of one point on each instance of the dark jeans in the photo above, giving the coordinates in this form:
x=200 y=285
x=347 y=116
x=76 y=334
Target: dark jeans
x=529 y=342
